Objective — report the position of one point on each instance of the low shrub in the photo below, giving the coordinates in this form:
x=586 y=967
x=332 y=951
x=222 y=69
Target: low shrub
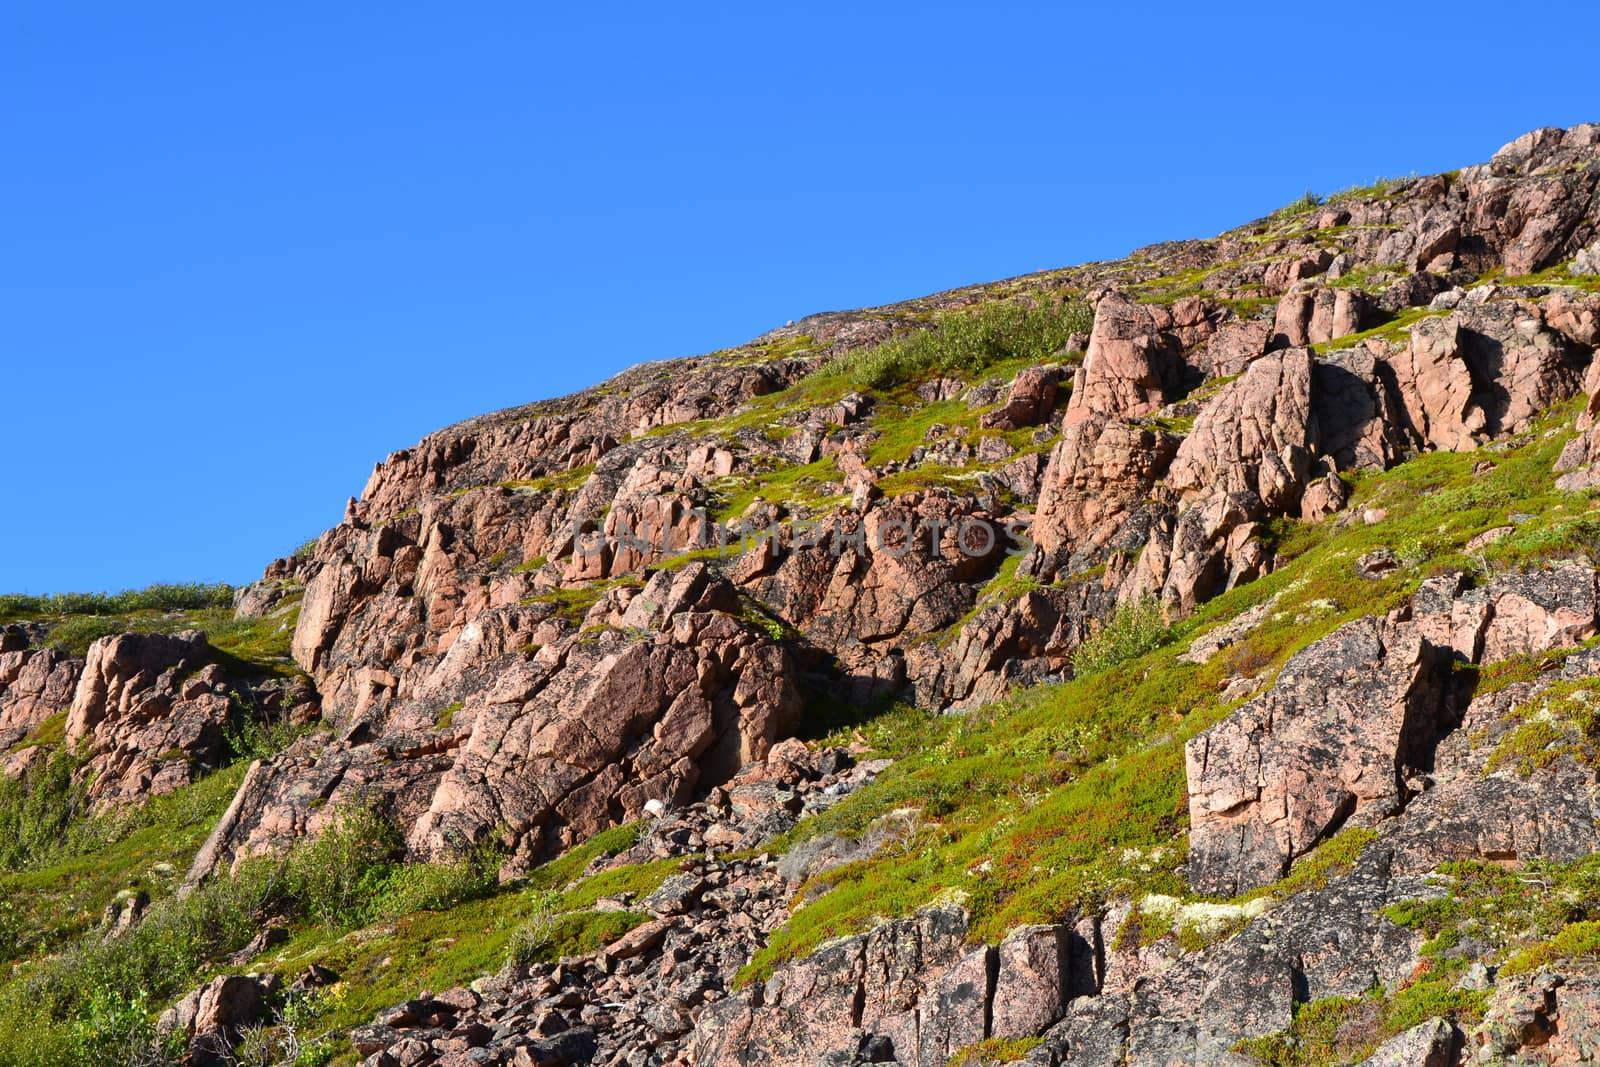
x=1135 y=629
x=44 y=814
x=966 y=343
x=187 y=596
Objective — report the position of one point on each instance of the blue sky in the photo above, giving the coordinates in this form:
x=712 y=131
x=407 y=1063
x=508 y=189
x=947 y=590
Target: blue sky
x=247 y=254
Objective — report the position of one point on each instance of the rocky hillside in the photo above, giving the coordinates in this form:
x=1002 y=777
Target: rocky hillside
x=1177 y=660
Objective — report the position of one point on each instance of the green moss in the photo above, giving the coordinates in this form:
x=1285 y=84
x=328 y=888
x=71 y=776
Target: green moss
x=572 y=603
x=1579 y=942
x=558 y=873
x=1340 y=1030
x=904 y=427
x=1564 y=720
x=1333 y=857
x=567 y=479
x=995 y=1050
x=929 y=476
x=447 y=716
x=1528 y=917
x=1394 y=331
x=788 y=485
x=51 y=731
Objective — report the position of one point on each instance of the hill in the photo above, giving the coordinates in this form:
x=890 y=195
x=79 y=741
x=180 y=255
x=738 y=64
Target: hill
x=1182 y=659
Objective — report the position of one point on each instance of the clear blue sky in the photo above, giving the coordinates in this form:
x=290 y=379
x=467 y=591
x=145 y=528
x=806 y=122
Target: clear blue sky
x=245 y=256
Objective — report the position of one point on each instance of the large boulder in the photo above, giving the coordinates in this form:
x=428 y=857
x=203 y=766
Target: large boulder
x=558 y=752
x=1483 y=371
x=1130 y=367
x=1098 y=475
x=1256 y=436
x=209 y=1021
x=1030 y=402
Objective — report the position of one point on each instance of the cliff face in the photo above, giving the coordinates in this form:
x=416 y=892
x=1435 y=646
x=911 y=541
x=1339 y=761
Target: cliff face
x=1294 y=519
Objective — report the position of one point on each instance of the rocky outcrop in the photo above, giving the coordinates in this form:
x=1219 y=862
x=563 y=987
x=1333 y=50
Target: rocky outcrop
x=1533 y=199
x=1130 y=368
x=1030 y=402
x=1317 y=316
x=1097 y=478
x=912 y=991
x=1255 y=438
x=1475 y=374
x=559 y=752
x=1579 y=463
x=566 y=733
x=152 y=711
x=1348 y=720
x=1354 y=720
x=35 y=683
x=484 y=674
x=1544 y=1018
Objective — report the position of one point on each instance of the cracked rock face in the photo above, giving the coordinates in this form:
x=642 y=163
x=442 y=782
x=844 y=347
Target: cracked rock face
x=1129 y=369
x=1356 y=715
x=35 y=683
x=1333 y=739
x=585 y=746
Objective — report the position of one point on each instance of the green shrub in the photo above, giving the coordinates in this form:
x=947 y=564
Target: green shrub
x=1301 y=205
x=183 y=597
x=43 y=814
x=75 y=635
x=1135 y=629
x=259 y=734
x=437 y=886
x=336 y=878
x=96 y=1002
x=965 y=343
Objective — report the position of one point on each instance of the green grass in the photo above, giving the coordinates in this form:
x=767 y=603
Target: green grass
x=546 y=915
x=572 y=603
x=447 y=716
x=994 y=1051
x=245 y=646
x=1301 y=205
x=1394 y=331
x=1333 y=857
x=1380 y=188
